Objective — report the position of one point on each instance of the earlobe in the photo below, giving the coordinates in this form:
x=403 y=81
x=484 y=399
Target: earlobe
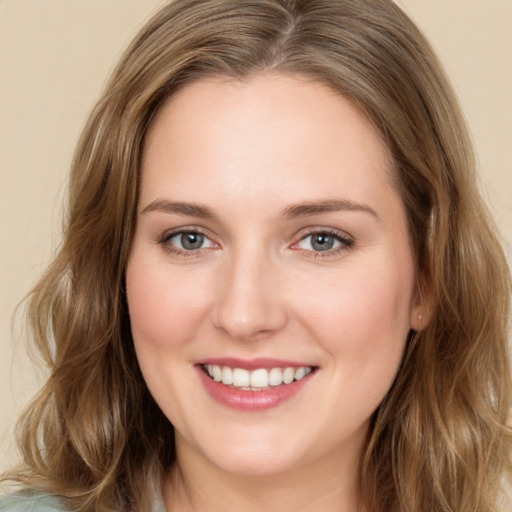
x=421 y=309
x=421 y=314
x=417 y=322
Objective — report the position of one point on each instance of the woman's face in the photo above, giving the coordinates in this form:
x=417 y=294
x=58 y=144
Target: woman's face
x=271 y=283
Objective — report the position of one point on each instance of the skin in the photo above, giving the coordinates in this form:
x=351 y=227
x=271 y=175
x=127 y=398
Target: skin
x=257 y=287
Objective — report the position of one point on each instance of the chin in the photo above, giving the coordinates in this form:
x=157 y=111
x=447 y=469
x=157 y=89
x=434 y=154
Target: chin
x=260 y=464
x=252 y=455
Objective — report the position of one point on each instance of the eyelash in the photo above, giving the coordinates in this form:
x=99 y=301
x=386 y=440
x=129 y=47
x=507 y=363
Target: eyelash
x=345 y=242
x=165 y=242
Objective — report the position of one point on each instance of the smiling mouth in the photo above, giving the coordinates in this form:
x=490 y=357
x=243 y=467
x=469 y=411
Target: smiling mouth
x=260 y=379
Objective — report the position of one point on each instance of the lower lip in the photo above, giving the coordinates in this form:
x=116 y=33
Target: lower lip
x=253 y=401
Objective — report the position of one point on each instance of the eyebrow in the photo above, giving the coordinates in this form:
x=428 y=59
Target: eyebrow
x=290 y=212
x=328 y=206
x=190 y=209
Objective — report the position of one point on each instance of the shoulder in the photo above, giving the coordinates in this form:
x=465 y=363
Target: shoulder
x=30 y=501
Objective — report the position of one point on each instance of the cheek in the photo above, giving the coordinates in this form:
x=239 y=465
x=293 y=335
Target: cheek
x=362 y=317
x=164 y=308
x=165 y=313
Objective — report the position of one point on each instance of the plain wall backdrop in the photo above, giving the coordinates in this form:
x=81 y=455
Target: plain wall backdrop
x=55 y=56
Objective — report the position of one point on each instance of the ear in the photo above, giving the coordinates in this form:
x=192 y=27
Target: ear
x=421 y=307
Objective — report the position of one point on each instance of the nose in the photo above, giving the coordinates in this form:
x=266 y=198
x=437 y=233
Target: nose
x=250 y=304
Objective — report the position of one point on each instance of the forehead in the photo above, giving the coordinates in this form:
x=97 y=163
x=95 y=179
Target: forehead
x=272 y=129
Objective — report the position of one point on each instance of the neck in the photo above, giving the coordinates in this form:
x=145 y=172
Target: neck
x=196 y=485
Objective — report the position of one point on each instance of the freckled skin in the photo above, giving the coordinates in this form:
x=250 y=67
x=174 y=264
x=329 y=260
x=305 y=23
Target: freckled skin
x=258 y=288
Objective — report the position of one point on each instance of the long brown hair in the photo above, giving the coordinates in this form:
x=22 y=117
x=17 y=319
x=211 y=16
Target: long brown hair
x=439 y=441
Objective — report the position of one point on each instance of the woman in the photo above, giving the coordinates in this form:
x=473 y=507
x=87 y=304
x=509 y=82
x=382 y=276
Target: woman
x=278 y=287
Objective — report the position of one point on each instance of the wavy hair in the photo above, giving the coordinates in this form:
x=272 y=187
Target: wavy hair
x=439 y=441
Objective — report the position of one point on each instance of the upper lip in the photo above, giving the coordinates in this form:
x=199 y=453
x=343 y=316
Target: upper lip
x=252 y=364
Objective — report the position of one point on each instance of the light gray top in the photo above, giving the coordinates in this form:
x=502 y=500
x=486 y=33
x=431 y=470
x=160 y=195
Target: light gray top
x=34 y=501
x=30 y=501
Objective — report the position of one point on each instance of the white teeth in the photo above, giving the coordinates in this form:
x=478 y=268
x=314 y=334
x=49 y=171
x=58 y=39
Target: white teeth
x=227 y=375
x=256 y=379
x=259 y=378
x=217 y=373
x=241 y=378
x=300 y=372
x=275 y=377
x=288 y=375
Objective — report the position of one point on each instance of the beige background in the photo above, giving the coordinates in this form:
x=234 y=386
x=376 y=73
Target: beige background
x=54 y=58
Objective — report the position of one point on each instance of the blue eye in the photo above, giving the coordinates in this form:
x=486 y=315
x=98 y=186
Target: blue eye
x=322 y=241
x=188 y=241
